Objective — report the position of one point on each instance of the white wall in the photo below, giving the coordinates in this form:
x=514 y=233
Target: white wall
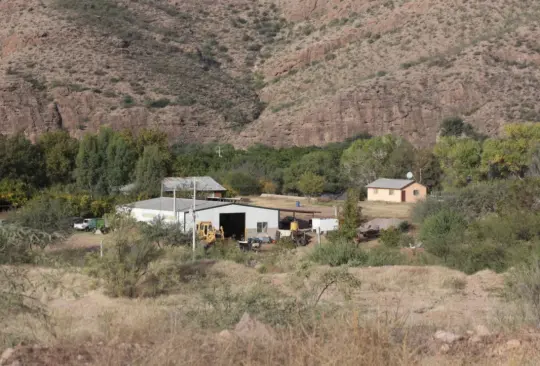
x=253 y=216
x=146 y=215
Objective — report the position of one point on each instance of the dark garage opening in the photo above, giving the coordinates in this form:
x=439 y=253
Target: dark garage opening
x=234 y=224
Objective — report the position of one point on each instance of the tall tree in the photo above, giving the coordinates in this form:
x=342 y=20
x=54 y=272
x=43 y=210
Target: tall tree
x=380 y=157
x=60 y=151
x=351 y=216
x=456 y=127
x=121 y=159
x=151 y=168
x=21 y=160
x=311 y=184
x=459 y=159
x=90 y=167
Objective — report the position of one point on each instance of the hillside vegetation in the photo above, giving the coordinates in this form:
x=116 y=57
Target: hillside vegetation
x=277 y=73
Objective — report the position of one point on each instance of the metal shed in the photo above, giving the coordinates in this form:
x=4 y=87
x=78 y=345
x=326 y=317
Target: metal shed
x=238 y=220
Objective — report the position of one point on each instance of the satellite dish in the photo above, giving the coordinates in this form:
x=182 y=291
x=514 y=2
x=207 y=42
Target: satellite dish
x=410 y=175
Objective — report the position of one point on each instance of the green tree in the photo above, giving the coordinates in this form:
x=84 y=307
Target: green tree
x=323 y=163
x=90 y=166
x=442 y=232
x=121 y=159
x=242 y=183
x=21 y=160
x=383 y=156
x=456 y=127
x=147 y=137
x=14 y=192
x=459 y=159
x=151 y=168
x=60 y=151
x=311 y=184
x=512 y=155
x=351 y=216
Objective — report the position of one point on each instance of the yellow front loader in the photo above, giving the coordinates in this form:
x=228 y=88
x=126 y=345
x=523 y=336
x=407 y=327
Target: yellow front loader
x=208 y=233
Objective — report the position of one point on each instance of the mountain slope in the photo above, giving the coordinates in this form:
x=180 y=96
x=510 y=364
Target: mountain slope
x=325 y=69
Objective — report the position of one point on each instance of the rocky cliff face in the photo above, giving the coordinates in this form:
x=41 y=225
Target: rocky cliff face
x=326 y=70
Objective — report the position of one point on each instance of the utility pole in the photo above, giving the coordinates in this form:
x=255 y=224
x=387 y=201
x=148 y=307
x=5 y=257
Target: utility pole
x=174 y=205
x=219 y=151
x=194 y=216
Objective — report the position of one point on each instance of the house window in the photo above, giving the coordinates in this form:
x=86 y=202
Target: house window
x=262 y=227
x=375 y=191
x=416 y=192
x=391 y=192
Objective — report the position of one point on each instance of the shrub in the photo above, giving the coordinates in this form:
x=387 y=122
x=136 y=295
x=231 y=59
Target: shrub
x=159 y=103
x=442 y=231
x=474 y=257
x=384 y=256
x=161 y=233
x=128 y=101
x=390 y=238
x=45 y=214
x=123 y=265
x=404 y=226
x=523 y=287
x=339 y=253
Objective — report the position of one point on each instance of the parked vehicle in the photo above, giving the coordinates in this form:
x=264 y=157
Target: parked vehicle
x=92 y=224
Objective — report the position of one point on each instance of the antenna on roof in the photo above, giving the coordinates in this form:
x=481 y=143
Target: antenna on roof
x=410 y=175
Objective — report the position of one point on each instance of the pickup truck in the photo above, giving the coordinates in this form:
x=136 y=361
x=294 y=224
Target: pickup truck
x=89 y=224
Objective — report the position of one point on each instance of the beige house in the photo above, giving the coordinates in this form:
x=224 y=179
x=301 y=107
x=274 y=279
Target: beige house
x=395 y=190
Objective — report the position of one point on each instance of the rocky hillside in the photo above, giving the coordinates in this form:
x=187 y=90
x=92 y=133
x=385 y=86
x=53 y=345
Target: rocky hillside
x=279 y=72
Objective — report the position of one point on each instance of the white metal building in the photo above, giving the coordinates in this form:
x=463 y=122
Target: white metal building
x=237 y=219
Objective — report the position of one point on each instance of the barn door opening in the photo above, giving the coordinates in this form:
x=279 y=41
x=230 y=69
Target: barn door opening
x=234 y=224
x=403 y=196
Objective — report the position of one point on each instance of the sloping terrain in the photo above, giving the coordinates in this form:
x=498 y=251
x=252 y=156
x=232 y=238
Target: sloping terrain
x=324 y=69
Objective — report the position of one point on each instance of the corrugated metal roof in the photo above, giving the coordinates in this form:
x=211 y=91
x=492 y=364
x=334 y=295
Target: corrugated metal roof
x=204 y=184
x=390 y=183
x=182 y=204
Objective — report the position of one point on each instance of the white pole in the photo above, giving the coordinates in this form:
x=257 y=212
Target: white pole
x=194 y=215
x=174 y=205
x=319 y=235
x=101 y=248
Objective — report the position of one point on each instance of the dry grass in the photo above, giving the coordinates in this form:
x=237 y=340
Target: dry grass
x=369 y=209
x=389 y=320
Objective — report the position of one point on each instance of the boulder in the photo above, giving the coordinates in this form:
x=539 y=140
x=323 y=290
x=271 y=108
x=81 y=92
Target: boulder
x=6 y=355
x=513 y=343
x=250 y=328
x=482 y=331
x=447 y=337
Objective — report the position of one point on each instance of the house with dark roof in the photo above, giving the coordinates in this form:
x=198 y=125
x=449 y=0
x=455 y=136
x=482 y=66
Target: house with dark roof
x=395 y=190
x=204 y=184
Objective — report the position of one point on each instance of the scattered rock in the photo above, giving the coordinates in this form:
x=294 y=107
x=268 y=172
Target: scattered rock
x=6 y=355
x=445 y=348
x=447 y=337
x=475 y=339
x=250 y=328
x=513 y=343
x=470 y=333
x=482 y=331
x=226 y=334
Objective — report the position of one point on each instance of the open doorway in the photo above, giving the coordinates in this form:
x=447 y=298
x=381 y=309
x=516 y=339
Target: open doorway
x=234 y=224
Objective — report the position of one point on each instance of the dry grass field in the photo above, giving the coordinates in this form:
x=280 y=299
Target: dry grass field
x=326 y=209
x=389 y=316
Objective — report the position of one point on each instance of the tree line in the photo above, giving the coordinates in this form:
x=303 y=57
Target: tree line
x=100 y=164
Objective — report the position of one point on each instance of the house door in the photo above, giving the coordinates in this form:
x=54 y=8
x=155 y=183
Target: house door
x=403 y=196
